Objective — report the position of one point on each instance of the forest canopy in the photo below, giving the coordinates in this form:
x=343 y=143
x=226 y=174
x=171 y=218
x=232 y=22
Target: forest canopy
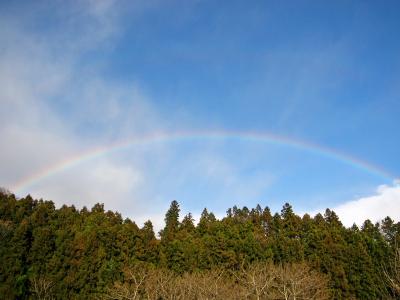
x=67 y=253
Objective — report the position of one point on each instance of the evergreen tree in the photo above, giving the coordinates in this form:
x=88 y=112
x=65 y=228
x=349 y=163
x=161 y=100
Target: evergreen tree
x=67 y=253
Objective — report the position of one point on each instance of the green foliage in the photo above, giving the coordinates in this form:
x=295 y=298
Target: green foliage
x=67 y=253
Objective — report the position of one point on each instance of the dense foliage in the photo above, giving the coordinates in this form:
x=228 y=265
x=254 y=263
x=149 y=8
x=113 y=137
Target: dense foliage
x=69 y=253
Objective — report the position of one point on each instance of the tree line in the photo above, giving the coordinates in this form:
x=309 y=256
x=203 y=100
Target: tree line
x=70 y=253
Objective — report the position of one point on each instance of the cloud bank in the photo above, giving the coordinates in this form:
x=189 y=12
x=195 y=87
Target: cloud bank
x=386 y=202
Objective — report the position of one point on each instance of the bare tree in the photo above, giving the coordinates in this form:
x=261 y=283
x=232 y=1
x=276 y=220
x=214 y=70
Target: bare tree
x=298 y=281
x=265 y=280
x=392 y=272
x=256 y=281
x=131 y=288
x=42 y=288
x=160 y=284
x=215 y=284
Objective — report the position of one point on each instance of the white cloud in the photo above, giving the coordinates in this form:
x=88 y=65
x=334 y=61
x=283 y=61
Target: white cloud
x=37 y=72
x=48 y=97
x=385 y=202
x=99 y=181
x=40 y=71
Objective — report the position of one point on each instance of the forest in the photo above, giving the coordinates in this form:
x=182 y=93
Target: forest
x=69 y=253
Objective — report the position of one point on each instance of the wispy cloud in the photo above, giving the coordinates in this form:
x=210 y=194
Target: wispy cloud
x=48 y=98
x=53 y=107
x=57 y=101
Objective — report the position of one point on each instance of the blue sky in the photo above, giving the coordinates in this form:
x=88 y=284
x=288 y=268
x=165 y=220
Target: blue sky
x=87 y=74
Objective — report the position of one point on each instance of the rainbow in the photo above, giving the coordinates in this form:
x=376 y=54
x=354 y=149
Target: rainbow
x=162 y=137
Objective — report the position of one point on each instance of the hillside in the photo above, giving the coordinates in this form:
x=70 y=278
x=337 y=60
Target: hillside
x=68 y=253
